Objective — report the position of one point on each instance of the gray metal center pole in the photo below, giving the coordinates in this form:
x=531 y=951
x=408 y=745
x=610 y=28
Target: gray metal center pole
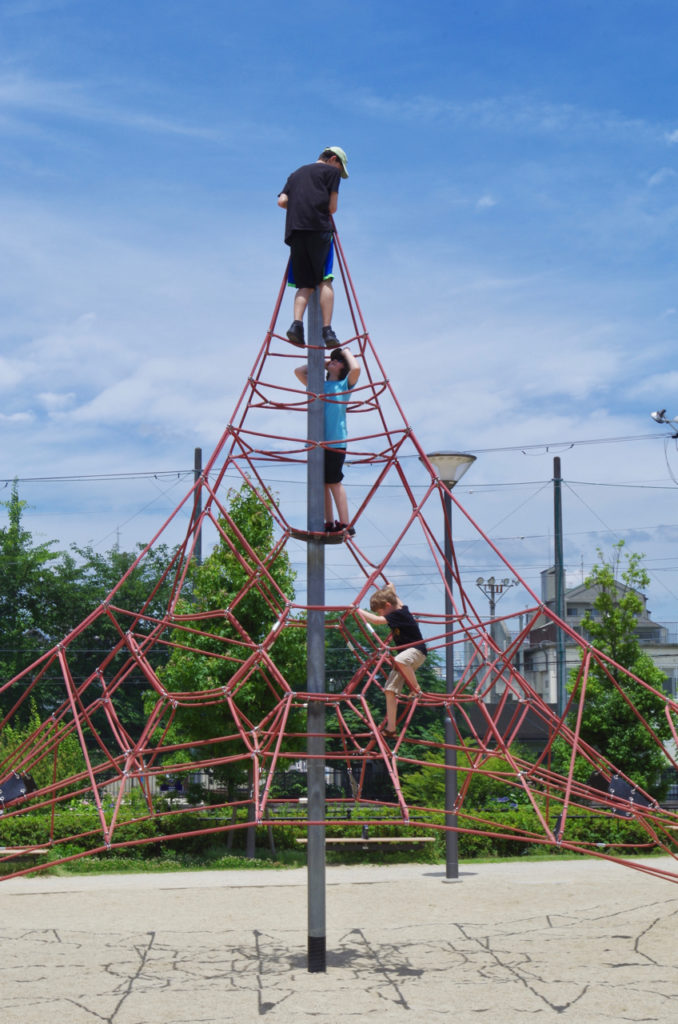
x=451 y=788
x=315 y=634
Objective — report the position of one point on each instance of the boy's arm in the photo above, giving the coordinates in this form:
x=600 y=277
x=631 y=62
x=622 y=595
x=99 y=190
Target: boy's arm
x=301 y=373
x=353 y=368
x=334 y=202
x=376 y=620
x=282 y=201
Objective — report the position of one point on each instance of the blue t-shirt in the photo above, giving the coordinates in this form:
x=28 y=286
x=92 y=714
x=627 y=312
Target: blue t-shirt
x=338 y=392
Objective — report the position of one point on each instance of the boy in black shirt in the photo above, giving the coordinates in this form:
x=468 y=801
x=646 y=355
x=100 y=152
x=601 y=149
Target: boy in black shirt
x=309 y=197
x=388 y=609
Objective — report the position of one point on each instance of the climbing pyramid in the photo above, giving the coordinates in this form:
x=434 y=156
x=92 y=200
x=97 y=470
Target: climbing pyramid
x=217 y=650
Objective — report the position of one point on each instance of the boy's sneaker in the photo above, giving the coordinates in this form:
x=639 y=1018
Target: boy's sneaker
x=329 y=527
x=295 y=334
x=330 y=340
x=341 y=527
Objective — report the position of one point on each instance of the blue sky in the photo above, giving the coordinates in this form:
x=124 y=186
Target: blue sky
x=509 y=223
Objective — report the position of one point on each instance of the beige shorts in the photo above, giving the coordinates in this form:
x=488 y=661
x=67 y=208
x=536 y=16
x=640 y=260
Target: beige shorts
x=411 y=656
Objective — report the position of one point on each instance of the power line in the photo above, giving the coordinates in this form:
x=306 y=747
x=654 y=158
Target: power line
x=549 y=446
x=82 y=478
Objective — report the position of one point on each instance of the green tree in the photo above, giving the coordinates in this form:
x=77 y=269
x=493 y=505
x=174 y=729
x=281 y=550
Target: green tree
x=609 y=720
x=64 y=754
x=146 y=589
x=47 y=594
x=31 y=600
x=231 y=579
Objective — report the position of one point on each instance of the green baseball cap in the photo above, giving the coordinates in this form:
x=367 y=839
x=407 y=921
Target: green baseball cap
x=338 y=151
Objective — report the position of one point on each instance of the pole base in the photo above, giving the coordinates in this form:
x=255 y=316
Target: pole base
x=317 y=960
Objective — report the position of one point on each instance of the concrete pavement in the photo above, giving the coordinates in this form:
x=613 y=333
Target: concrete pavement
x=583 y=941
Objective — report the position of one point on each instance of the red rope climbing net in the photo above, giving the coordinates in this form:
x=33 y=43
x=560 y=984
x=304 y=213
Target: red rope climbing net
x=488 y=709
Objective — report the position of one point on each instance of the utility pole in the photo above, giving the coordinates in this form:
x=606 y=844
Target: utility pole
x=197 y=504
x=493 y=591
x=315 y=641
x=559 y=584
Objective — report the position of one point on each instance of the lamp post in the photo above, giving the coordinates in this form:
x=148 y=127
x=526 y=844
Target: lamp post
x=450 y=467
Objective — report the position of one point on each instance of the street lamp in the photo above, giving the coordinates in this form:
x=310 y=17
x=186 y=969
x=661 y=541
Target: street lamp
x=660 y=417
x=450 y=467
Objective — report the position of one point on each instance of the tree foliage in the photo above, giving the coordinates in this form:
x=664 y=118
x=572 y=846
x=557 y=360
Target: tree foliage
x=29 y=592
x=68 y=759
x=146 y=587
x=46 y=594
x=220 y=584
x=614 y=704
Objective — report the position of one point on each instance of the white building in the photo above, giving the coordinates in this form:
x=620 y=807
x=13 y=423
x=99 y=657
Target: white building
x=659 y=640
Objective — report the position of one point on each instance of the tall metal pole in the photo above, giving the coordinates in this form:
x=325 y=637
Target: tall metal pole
x=315 y=639
x=559 y=585
x=451 y=788
x=450 y=467
x=197 y=503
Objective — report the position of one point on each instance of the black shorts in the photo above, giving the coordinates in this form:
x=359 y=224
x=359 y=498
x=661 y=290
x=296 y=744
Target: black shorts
x=334 y=464
x=309 y=251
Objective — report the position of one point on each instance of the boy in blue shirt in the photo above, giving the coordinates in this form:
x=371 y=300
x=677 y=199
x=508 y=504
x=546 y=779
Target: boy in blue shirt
x=342 y=374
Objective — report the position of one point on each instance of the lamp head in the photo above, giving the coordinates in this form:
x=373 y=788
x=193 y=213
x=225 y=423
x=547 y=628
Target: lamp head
x=658 y=416
x=451 y=466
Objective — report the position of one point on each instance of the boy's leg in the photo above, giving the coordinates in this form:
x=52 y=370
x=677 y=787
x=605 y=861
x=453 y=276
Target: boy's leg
x=391 y=710
x=391 y=692
x=410 y=677
x=301 y=297
x=329 y=513
x=406 y=670
x=326 y=300
x=338 y=492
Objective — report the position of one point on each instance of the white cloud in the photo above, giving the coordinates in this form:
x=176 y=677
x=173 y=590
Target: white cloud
x=509 y=113
x=77 y=100
x=17 y=417
x=658 y=384
x=55 y=403
x=662 y=176
x=12 y=373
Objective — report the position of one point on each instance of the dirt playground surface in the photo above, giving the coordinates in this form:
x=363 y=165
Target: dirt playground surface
x=582 y=941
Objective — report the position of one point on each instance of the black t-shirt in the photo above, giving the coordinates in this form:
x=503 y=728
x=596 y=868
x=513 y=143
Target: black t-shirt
x=308 y=191
x=406 y=632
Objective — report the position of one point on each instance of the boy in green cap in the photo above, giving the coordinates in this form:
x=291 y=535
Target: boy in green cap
x=310 y=198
